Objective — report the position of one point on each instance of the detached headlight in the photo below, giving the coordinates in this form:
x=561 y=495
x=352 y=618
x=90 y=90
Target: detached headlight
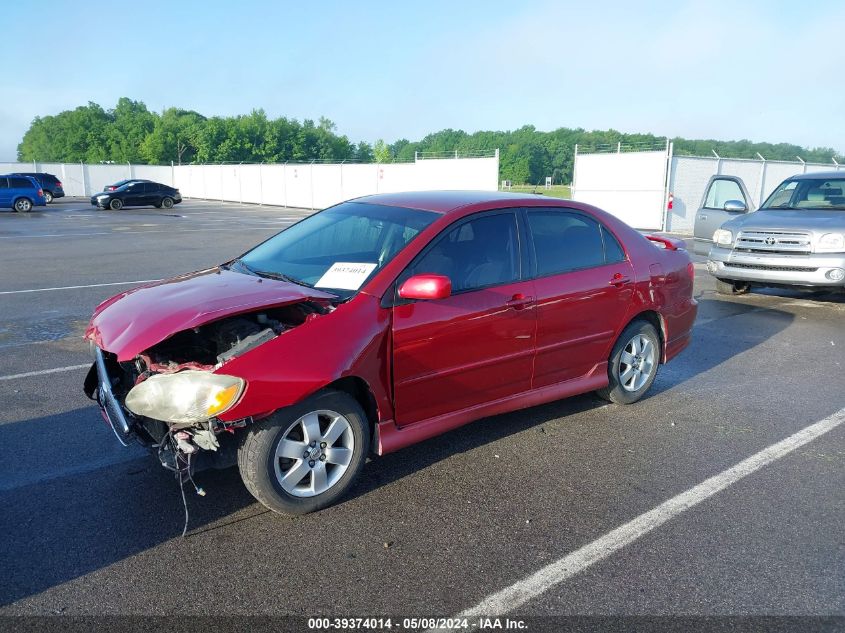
x=833 y=242
x=723 y=237
x=186 y=397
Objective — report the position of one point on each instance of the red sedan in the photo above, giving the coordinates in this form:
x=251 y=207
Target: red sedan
x=381 y=322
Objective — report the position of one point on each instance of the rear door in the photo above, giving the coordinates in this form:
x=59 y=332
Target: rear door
x=711 y=212
x=584 y=284
x=152 y=193
x=475 y=346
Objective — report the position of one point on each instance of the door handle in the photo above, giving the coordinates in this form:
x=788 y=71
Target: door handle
x=702 y=217
x=519 y=301
x=619 y=280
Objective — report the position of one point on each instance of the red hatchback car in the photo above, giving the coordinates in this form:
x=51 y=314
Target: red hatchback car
x=381 y=322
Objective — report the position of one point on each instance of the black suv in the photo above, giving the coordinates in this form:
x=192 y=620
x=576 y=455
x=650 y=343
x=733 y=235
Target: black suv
x=51 y=185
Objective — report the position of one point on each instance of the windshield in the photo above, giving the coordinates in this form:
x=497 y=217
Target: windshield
x=808 y=194
x=337 y=249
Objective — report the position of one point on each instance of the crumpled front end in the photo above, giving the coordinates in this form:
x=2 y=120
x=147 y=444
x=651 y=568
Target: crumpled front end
x=168 y=397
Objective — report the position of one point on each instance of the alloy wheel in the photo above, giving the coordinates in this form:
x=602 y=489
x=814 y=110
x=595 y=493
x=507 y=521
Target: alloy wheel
x=314 y=453
x=637 y=363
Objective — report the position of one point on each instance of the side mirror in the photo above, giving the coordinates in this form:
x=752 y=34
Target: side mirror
x=426 y=287
x=735 y=206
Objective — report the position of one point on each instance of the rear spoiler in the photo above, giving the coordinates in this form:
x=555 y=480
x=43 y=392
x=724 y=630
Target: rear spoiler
x=669 y=243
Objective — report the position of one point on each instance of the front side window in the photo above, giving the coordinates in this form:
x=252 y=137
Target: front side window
x=721 y=190
x=338 y=249
x=4 y=183
x=808 y=194
x=481 y=252
x=566 y=241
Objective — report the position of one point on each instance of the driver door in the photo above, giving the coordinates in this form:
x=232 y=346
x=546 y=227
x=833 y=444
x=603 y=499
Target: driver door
x=711 y=213
x=477 y=345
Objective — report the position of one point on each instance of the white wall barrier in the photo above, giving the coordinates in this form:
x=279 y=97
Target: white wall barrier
x=305 y=185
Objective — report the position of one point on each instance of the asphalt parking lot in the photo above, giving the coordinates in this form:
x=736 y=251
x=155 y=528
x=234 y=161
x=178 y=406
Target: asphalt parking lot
x=90 y=527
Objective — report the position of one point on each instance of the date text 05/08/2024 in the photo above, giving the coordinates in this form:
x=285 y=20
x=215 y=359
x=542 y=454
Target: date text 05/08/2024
x=415 y=624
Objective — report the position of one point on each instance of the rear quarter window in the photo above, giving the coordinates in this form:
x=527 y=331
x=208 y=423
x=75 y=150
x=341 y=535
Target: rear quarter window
x=20 y=183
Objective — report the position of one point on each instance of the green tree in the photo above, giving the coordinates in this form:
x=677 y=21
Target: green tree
x=381 y=152
x=173 y=138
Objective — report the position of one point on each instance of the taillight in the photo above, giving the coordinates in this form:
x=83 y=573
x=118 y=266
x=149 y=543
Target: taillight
x=40 y=193
x=691 y=271
x=59 y=185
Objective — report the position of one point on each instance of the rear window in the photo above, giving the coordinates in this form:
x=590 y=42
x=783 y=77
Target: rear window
x=566 y=241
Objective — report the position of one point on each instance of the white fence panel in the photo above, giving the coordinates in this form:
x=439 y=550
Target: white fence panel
x=630 y=185
x=305 y=185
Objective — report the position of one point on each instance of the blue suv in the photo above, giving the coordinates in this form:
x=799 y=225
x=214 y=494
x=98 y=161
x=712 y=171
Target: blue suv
x=20 y=193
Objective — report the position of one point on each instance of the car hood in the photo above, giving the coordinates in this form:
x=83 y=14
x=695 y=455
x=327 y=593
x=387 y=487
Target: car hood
x=811 y=220
x=135 y=320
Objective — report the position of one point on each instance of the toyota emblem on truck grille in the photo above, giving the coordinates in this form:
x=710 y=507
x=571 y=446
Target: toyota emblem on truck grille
x=770 y=241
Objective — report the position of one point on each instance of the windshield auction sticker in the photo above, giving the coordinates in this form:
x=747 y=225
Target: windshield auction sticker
x=345 y=276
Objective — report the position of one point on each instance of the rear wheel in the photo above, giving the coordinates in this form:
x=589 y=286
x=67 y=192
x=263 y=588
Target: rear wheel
x=728 y=287
x=305 y=457
x=632 y=366
x=116 y=204
x=23 y=205
x=48 y=197
x=167 y=203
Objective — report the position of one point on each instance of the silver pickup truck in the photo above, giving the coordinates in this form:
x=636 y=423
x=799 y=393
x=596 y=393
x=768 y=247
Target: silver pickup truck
x=796 y=238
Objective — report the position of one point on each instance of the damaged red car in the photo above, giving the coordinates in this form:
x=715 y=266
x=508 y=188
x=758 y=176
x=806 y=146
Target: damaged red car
x=381 y=322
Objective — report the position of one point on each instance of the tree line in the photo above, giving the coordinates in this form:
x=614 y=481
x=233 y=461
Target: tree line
x=131 y=133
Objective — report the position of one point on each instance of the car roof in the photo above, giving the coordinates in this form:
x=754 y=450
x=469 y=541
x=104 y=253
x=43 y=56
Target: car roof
x=449 y=201
x=818 y=175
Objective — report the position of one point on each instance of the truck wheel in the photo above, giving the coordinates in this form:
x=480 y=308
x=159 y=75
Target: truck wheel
x=632 y=366
x=305 y=457
x=727 y=287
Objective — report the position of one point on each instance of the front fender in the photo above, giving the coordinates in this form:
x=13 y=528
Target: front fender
x=352 y=340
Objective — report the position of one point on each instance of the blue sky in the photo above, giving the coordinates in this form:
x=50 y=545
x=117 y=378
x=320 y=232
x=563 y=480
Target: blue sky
x=763 y=70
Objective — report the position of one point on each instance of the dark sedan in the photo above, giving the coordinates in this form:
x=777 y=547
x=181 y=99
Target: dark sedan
x=138 y=194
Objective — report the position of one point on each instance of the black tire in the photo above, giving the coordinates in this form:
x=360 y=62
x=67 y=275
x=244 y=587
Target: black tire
x=167 y=203
x=23 y=205
x=257 y=453
x=616 y=391
x=116 y=204
x=48 y=197
x=728 y=287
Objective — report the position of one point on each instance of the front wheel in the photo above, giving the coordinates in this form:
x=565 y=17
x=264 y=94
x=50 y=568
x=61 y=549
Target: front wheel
x=23 y=205
x=632 y=366
x=167 y=203
x=305 y=457
x=116 y=204
x=728 y=287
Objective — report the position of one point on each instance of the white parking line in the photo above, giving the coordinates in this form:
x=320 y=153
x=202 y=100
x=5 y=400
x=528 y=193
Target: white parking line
x=44 y=372
x=557 y=572
x=113 y=283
